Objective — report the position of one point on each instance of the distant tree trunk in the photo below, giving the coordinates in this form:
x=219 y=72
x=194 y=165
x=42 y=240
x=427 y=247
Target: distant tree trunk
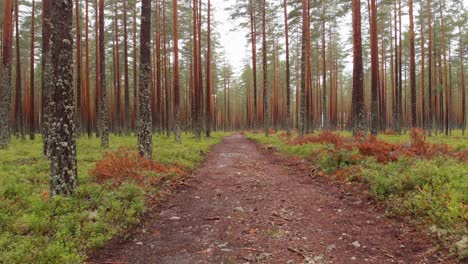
x=444 y=45
x=87 y=81
x=97 y=89
x=195 y=71
x=396 y=117
x=46 y=75
x=423 y=75
x=5 y=91
x=135 y=77
x=118 y=90
x=145 y=130
x=208 y=75
x=429 y=65
x=288 y=71
x=358 y=113
x=126 y=79
x=265 y=73
x=305 y=29
x=32 y=119
x=200 y=71
x=19 y=122
x=253 y=36
x=104 y=108
x=375 y=69
x=463 y=88
x=159 y=77
x=324 y=115
x=400 y=73
x=414 y=119
x=64 y=176
x=78 y=69
x=176 y=74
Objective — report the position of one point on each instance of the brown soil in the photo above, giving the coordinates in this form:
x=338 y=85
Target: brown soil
x=246 y=204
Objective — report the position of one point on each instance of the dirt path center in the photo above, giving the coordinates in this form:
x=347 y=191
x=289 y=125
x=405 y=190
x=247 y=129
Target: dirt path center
x=247 y=205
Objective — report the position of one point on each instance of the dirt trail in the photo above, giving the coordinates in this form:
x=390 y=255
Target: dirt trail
x=247 y=205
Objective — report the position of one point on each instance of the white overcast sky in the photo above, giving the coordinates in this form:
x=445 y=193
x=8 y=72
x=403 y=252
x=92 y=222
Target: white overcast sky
x=232 y=39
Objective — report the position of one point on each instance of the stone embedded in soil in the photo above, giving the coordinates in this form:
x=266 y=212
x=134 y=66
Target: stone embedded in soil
x=239 y=209
x=330 y=248
x=356 y=244
x=175 y=218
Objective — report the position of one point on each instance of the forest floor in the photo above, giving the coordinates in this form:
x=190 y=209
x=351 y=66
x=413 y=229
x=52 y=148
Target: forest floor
x=247 y=204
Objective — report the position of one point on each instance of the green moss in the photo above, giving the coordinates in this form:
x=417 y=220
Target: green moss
x=35 y=228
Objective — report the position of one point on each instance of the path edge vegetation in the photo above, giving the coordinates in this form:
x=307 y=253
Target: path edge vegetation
x=116 y=188
x=428 y=192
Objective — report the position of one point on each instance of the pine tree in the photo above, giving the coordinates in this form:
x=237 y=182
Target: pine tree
x=176 y=77
x=64 y=177
x=374 y=68
x=5 y=90
x=145 y=131
x=103 y=103
x=46 y=75
x=358 y=112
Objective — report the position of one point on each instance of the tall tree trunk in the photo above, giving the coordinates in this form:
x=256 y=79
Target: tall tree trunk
x=145 y=131
x=423 y=74
x=118 y=92
x=46 y=75
x=126 y=79
x=374 y=68
x=32 y=119
x=176 y=76
x=414 y=114
x=358 y=112
x=19 y=126
x=78 y=68
x=208 y=75
x=159 y=103
x=104 y=104
x=288 y=71
x=429 y=65
x=5 y=91
x=64 y=176
x=265 y=73
x=97 y=89
x=444 y=45
x=253 y=36
x=305 y=29
x=463 y=88
x=87 y=80
x=135 y=77
x=324 y=79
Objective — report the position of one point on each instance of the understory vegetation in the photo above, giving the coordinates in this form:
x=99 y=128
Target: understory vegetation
x=422 y=177
x=115 y=186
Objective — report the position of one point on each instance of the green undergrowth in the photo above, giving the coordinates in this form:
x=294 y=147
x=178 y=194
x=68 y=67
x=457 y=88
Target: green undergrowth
x=275 y=141
x=37 y=228
x=431 y=191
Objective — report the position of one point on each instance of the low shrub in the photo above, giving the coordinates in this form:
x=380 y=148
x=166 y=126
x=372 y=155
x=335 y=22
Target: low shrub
x=125 y=164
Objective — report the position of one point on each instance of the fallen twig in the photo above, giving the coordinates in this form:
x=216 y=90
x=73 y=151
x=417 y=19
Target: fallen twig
x=212 y=219
x=387 y=254
x=152 y=198
x=297 y=251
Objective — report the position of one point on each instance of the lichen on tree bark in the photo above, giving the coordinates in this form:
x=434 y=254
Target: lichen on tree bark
x=145 y=123
x=62 y=134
